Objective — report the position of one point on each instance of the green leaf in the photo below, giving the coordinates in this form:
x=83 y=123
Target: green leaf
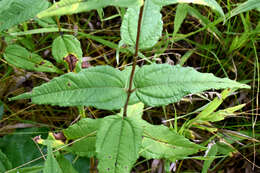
x=64 y=45
x=13 y=12
x=161 y=142
x=65 y=165
x=66 y=161
x=27 y=43
x=76 y=6
x=85 y=132
x=211 y=152
x=81 y=164
x=5 y=164
x=225 y=148
x=102 y=87
x=51 y=164
x=118 y=144
x=246 y=6
x=161 y=84
x=22 y=58
x=134 y=111
x=46 y=22
x=210 y=3
x=21 y=140
x=208 y=112
x=151 y=27
x=82 y=128
x=222 y=114
x=181 y=13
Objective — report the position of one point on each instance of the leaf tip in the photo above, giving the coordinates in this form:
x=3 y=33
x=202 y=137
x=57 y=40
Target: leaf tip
x=21 y=96
x=245 y=86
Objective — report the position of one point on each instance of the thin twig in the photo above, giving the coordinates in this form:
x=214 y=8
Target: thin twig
x=129 y=91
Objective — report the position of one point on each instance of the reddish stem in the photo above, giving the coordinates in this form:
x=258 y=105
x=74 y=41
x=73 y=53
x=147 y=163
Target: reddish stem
x=129 y=91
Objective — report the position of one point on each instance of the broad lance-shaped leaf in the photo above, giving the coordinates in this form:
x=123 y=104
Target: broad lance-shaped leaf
x=161 y=142
x=118 y=143
x=210 y=3
x=76 y=6
x=22 y=58
x=161 y=84
x=13 y=12
x=85 y=132
x=102 y=87
x=67 y=46
x=151 y=28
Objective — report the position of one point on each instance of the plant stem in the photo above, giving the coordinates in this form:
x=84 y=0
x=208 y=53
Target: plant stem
x=81 y=110
x=129 y=91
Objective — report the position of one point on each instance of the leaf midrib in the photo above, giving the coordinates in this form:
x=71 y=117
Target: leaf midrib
x=182 y=83
x=35 y=95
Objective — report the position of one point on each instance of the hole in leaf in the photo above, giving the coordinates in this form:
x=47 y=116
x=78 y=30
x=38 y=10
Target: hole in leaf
x=69 y=84
x=71 y=60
